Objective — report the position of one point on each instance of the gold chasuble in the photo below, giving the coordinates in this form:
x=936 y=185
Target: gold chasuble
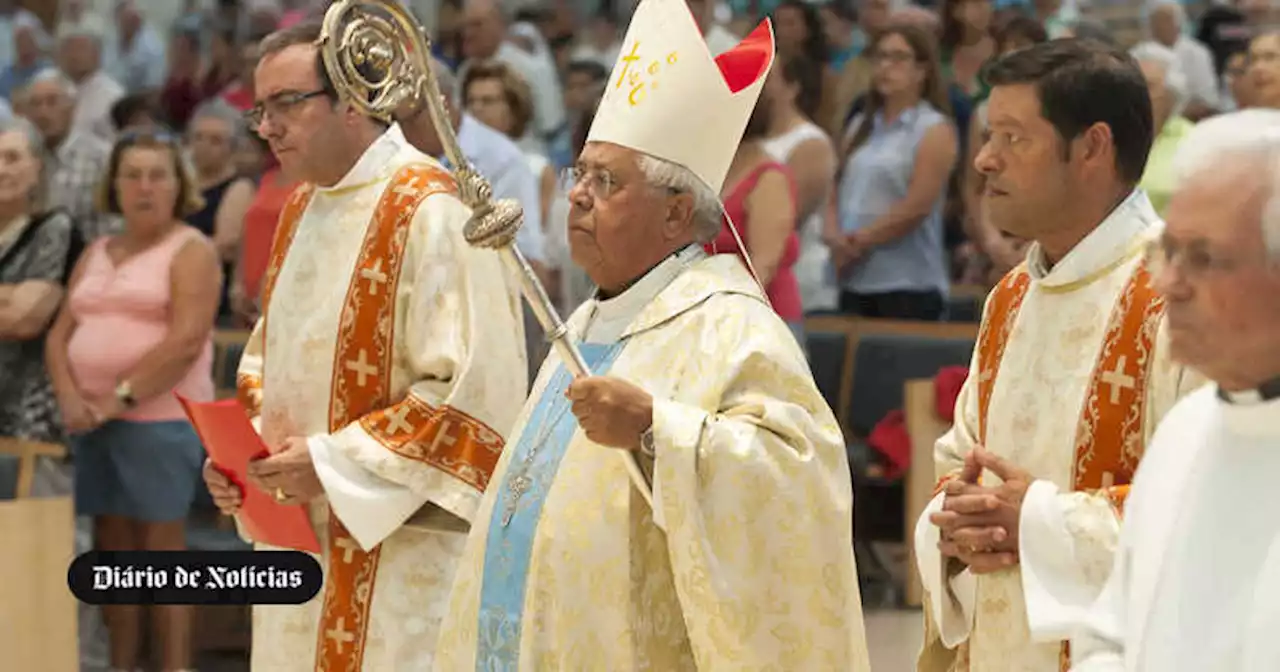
x=744 y=560
x=1069 y=379
x=396 y=350
x=744 y=563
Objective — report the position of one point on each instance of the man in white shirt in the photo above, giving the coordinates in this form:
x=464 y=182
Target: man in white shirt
x=1197 y=570
x=74 y=161
x=80 y=57
x=1166 y=22
x=485 y=37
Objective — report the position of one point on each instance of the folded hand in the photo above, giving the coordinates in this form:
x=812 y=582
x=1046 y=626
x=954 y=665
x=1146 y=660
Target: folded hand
x=979 y=525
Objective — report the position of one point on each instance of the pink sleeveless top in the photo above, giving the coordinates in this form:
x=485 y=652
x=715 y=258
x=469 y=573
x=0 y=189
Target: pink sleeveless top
x=121 y=314
x=783 y=290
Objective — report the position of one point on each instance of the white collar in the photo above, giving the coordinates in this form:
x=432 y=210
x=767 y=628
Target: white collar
x=374 y=164
x=626 y=306
x=1256 y=416
x=1116 y=239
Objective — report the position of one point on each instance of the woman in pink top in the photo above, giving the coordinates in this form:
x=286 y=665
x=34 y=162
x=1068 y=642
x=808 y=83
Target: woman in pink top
x=760 y=199
x=136 y=328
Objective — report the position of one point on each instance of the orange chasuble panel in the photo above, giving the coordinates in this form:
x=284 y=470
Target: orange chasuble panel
x=363 y=361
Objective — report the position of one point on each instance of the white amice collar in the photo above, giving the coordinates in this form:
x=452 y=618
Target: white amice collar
x=1253 y=412
x=374 y=164
x=1115 y=240
x=617 y=312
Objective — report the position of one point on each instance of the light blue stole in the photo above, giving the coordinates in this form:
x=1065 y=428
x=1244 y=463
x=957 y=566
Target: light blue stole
x=510 y=543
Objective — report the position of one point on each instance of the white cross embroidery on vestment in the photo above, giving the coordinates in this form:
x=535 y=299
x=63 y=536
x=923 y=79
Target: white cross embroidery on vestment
x=398 y=420
x=362 y=368
x=375 y=276
x=340 y=635
x=349 y=549
x=1118 y=379
x=409 y=190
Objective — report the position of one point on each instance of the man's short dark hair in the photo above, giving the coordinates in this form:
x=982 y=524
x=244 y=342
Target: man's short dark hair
x=1081 y=83
x=304 y=32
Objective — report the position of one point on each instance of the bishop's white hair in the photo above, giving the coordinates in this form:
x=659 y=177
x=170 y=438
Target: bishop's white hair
x=706 y=203
x=1252 y=134
x=1174 y=79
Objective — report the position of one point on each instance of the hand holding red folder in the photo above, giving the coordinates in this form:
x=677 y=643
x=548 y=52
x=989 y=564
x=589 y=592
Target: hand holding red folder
x=232 y=443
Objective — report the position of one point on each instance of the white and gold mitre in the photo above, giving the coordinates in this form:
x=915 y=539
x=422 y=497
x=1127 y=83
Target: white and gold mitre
x=669 y=99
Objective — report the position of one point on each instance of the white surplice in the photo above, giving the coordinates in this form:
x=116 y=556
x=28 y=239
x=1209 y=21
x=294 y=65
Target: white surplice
x=1015 y=620
x=451 y=335
x=1197 y=572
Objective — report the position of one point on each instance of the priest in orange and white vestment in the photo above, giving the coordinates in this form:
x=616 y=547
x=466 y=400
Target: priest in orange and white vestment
x=1070 y=376
x=387 y=367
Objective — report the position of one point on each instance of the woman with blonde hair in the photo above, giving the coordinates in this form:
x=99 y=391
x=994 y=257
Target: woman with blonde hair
x=135 y=329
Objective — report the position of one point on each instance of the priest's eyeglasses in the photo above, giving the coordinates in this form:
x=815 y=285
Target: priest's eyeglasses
x=278 y=105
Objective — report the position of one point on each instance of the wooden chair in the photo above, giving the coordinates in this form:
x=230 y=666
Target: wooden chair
x=881 y=501
x=925 y=427
x=864 y=326
x=38 y=616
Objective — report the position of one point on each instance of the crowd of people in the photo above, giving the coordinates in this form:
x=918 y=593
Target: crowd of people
x=142 y=196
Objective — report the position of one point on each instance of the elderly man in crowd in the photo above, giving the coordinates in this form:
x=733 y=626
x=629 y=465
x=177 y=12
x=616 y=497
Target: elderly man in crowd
x=1168 y=88
x=485 y=37
x=1167 y=20
x=80 y=57
x=687 y=504
x=1197 y=569
x=75 y=160
x=30 y=54
x=137 y=53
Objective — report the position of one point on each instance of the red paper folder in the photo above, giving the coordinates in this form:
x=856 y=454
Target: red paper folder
x=232 y=443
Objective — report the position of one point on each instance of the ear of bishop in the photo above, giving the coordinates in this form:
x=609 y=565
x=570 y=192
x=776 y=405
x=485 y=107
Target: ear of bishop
x=668 y=98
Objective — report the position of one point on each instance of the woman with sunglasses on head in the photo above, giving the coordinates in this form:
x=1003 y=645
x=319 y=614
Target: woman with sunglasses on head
x=885 y=224
x=135 y=329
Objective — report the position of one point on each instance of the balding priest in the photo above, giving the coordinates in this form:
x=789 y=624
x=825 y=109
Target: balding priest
x=743 y=560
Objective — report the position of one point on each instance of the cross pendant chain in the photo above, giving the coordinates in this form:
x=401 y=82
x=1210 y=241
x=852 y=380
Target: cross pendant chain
x=518 y=486
x=521 y=483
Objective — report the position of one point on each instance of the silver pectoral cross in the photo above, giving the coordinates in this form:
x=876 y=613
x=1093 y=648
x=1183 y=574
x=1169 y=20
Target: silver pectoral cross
x=517 y=487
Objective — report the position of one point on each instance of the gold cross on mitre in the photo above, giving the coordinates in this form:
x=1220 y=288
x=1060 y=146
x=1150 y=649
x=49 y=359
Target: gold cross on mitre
x=668 y=98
